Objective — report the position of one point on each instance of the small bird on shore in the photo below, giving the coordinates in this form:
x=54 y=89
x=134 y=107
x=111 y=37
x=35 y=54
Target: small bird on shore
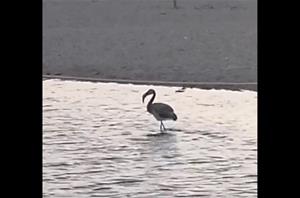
x=180 y=90
x=160 y=111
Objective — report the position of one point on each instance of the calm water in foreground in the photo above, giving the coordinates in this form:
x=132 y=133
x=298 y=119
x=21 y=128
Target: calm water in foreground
x=99 y=141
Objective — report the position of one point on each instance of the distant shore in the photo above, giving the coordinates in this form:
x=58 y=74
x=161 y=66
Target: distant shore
x=207 y=41
x=201 y=85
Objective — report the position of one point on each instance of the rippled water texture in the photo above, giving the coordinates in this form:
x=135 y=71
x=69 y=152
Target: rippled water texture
x=99 y=141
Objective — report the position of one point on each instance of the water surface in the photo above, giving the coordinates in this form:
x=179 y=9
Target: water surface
x=99 y=141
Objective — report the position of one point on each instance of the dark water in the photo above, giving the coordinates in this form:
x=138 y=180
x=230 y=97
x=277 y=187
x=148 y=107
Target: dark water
x=99 y=141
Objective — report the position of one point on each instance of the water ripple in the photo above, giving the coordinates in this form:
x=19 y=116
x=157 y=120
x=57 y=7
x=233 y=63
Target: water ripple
x=99 y=141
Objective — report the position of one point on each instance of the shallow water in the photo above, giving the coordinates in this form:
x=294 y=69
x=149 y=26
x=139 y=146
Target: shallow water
x=99 y=141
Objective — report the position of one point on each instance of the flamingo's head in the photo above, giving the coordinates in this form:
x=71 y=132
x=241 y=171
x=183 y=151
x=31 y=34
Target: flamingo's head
x=149 y=92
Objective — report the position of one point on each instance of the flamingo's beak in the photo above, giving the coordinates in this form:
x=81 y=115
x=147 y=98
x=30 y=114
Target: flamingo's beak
x=144 y=96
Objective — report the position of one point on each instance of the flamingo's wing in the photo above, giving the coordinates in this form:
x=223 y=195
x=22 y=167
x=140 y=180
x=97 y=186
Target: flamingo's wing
x=164 y=111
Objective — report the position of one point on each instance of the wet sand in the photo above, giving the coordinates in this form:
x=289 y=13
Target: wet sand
x=202 y=41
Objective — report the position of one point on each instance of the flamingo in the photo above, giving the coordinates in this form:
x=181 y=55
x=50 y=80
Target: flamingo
x=160 y=111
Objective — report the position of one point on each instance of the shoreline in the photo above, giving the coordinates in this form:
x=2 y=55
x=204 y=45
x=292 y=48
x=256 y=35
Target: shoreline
x=251 y=86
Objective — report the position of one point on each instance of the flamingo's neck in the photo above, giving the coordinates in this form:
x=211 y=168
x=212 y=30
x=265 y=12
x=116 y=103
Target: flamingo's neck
x=150 y=102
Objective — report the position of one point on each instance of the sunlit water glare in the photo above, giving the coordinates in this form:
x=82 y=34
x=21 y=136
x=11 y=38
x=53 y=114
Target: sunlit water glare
x=99 y=141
